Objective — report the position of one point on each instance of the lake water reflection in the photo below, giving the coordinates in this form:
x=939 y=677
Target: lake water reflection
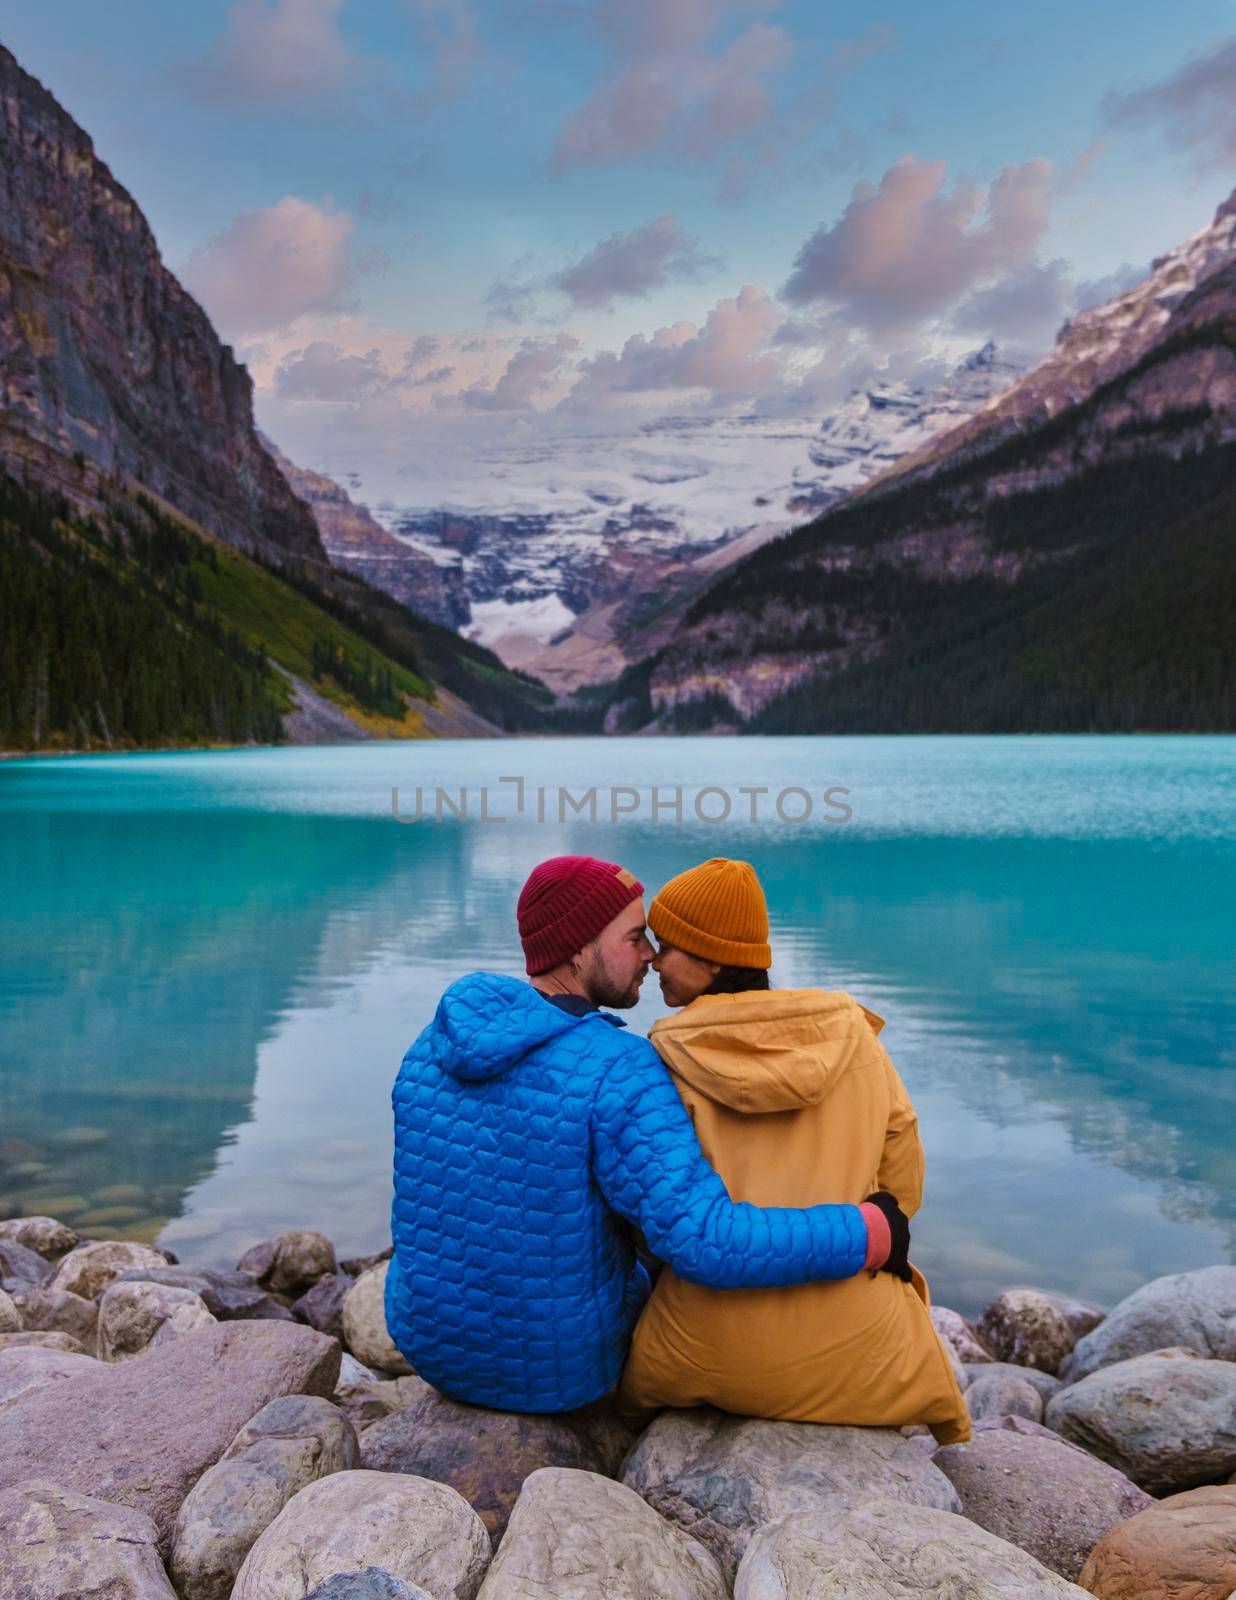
x=211 y=964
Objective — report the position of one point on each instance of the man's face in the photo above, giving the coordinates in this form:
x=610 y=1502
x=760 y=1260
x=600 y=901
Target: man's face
x=614 y=965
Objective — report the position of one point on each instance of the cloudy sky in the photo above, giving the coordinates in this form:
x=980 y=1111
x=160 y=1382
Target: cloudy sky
x=431 y=223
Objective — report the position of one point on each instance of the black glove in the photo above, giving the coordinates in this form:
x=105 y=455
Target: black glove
x=898 y=1262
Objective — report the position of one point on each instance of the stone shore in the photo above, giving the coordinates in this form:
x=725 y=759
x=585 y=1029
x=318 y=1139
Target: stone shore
x=168 y=1431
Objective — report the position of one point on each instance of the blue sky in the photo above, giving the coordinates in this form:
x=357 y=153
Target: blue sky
x=516 y=190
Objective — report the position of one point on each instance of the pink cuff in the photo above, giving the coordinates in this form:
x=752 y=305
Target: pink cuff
x=879 y=1236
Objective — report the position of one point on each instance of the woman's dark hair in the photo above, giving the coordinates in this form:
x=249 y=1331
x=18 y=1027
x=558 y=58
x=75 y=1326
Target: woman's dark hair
x=733 y=980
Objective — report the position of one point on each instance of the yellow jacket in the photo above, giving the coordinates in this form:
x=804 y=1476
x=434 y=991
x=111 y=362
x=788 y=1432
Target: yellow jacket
x=796 y=1103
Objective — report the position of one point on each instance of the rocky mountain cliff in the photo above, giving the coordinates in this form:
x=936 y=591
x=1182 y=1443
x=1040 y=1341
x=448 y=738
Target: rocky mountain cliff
x=160 y=582
x=104 y=356
x=1065 y=558
x=355 y=540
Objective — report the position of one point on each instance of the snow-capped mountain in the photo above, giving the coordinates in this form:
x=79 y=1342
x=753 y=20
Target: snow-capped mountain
x=567 y=547
x=1095 y=346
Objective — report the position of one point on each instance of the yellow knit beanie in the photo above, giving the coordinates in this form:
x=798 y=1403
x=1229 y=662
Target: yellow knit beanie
x=716 y=911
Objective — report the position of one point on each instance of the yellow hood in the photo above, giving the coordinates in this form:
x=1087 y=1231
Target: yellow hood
x=763 y=1050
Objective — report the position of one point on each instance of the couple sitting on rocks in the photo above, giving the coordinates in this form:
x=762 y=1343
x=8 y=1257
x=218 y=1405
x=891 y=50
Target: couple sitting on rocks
x=771 y=1170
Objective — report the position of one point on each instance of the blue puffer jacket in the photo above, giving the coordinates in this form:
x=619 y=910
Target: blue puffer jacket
x=520 y=1130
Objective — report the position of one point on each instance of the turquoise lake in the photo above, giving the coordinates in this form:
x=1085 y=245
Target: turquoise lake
x=211 y=964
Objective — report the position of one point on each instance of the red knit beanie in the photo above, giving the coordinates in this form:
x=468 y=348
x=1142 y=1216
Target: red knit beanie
x=565 y=904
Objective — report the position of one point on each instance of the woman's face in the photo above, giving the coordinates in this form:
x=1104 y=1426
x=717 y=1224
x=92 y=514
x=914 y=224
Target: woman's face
x=682 y=976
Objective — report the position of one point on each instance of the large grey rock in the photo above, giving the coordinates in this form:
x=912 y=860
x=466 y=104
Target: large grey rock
x=322 y=1306
x=580 y=1536
x=19 y=1265
x=1081 y=1316
x=142 y=1432
x=1002 y=1395
x=1042 y=1382
x=229 y=1296
x=291 y=1442
x=10 y=1317
x=365 y=1401
x=290 y=1263
x=44 y=1235
x=721 y=1477
x=883 y=1550
x=1025 y=1327
x=89 y=1269
x=364 y=1323
x=371 y=1584
x=413 y=1528
x=1167 y=1420
x=132 y=1316
x=959 y=1335
x=45 y=1341
x=1181 y=1548
x=61 y=1545
x=27 y=1368
x=485 y=1455
x=58 y=1311
x=1043 y=1495
x=1192 y=1310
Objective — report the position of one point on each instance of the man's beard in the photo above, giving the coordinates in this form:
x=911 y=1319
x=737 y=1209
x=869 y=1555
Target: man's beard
x=605 y=990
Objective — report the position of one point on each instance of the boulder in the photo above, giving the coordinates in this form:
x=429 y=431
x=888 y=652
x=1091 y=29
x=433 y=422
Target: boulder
x=290 y=1443
x=1043 y=1495
x=720 y=1477
x=959 y=1335
x=132 y=1315
x=1167 y=1420
x=26 y=1368
x=291 y=1262
x=485 y=1455
x=1081 y=1316
x=10 y=1317
x=1023 y=1326
x=58 y=1311
x=417 y=1530
x=1042 y=1382
x=89 y=1269
x=355 y=1265
x=371 y=1584
x=229 y=1296
x=364 y=1323
x=1002 y=1395
x=1190 y=1310
x=1181 y=1548
x=44 y=1235
x=322 y=1306
x=142 y=1432
x=367 y=1401
x=35 y=1337
x=19 y=1266
x=580 y=1536
x=883 y=1550
x=61 y=1545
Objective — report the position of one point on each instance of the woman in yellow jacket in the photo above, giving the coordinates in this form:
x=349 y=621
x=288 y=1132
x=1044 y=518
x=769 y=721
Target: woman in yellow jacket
x=795 y=1102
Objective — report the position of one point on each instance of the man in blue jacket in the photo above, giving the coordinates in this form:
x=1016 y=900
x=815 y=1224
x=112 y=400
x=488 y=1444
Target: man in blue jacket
x=528 y=1125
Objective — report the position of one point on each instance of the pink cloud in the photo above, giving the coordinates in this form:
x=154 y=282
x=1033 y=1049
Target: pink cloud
x=269 y=267
x=728 y=357
x=1195 y=105
x=277 y=52
x=630 y=265
x=672 y=85
x=533 y=369
x=907 y=249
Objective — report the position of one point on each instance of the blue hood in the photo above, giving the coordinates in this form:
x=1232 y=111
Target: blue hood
x=486 y=1023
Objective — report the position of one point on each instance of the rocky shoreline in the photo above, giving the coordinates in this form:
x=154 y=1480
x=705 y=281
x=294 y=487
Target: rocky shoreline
x=172 y=1431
